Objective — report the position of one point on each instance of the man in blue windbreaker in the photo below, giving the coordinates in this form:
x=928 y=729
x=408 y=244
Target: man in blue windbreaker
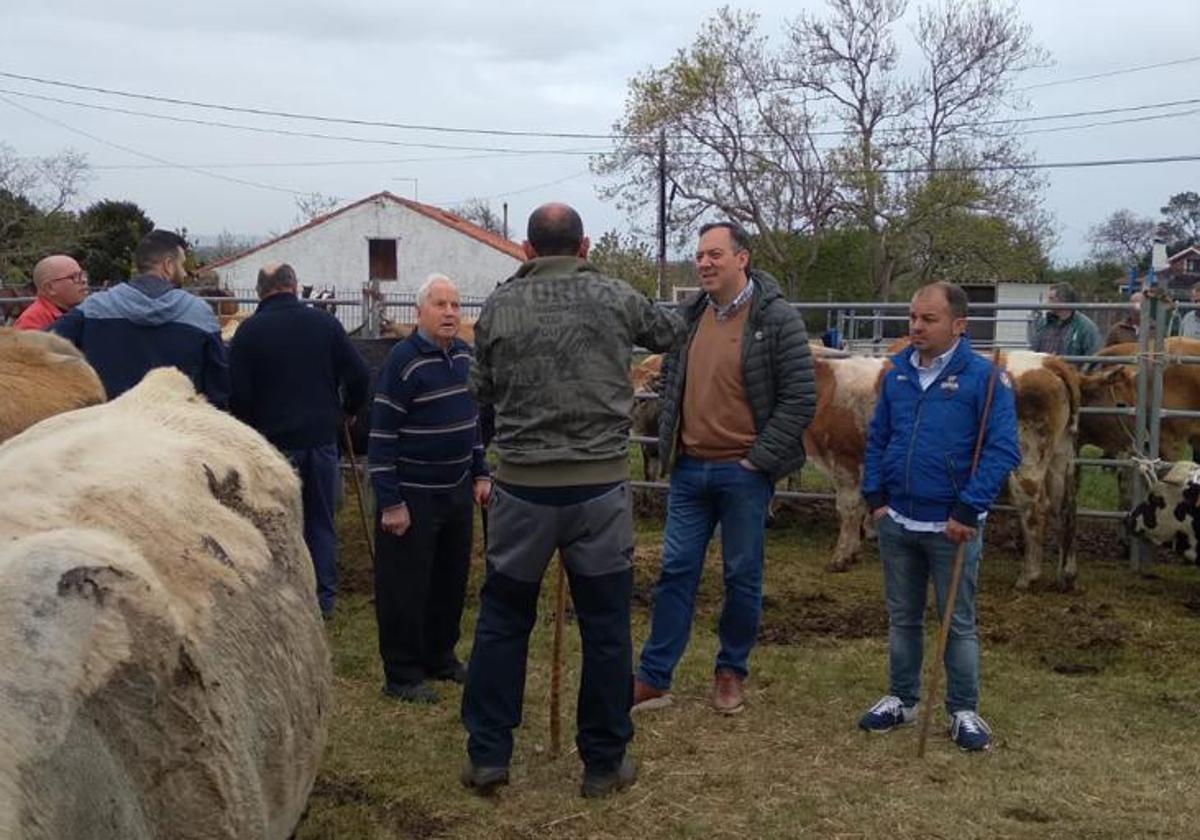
x=918 y=482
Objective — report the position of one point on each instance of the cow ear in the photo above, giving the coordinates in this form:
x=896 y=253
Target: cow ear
x=1162 y=470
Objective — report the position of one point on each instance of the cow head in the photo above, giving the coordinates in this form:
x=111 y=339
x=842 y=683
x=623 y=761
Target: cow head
x=1110 y=387
x=1170 y=516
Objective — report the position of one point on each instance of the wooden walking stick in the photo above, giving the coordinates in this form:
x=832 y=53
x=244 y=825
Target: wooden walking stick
x=556 y=657
x=362 y=503
x=935 y=668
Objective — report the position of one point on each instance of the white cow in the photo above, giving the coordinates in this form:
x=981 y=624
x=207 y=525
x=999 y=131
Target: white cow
x=165 y=671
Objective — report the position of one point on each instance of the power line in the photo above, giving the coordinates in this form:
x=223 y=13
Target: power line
x=520 y=191
x=266 y=112
x=289 y=133
x=1111 y=73
x=1018 y=167
x=269 y=164
x=496 y=132
x=146 y=155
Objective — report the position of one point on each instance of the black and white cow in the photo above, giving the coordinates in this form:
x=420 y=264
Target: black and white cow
x=1170 y=516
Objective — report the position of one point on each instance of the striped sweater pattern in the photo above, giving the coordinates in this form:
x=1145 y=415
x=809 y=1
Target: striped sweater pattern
x=424 y=423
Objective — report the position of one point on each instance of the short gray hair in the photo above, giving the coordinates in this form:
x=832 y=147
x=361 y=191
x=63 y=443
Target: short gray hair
x=436 y=277
x=273 y=279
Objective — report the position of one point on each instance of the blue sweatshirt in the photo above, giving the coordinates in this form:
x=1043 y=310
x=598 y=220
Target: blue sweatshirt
x=128 y=330
x=920 y=444
x=294 y=372
x=424 y=424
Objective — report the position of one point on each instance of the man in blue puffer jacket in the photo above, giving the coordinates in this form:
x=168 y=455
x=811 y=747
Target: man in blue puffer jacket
x=918 y=482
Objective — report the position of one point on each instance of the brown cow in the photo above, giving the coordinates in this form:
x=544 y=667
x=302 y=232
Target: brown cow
x=41 y=375
x=646 y=376
x=836 y=439
x=1044 y=486
x=1117 y=386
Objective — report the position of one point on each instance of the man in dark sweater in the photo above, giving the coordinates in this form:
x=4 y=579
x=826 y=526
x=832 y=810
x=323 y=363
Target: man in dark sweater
x=427 y=467
x=288 y=363
x=552 y=353
x=150 y=322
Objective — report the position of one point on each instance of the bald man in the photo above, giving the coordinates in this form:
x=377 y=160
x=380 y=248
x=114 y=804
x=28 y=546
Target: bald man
x=61 y=285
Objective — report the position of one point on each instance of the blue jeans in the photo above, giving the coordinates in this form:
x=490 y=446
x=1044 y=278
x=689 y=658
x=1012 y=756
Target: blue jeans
x=910 y=558
x=702 y=494
x=318 y=469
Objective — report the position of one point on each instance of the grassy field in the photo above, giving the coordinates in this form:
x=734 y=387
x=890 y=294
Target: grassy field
x=1094 y=698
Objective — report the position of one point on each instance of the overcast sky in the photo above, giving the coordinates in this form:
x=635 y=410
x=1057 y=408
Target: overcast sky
x=515 y=65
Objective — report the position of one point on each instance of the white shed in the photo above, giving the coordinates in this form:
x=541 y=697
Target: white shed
x=381 y=237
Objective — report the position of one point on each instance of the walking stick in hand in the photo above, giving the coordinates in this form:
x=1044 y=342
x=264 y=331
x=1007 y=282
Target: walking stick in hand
x=362 y=503
x=935 y=668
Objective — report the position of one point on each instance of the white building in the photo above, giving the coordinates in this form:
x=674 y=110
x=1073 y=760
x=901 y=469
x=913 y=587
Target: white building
x=381 y=237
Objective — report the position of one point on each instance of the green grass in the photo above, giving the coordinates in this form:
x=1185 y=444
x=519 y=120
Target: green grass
x=1094 y=698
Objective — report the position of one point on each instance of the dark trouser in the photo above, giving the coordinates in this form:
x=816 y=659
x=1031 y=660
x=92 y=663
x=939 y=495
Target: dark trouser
x=318 y=469
x=420 y=584
x=595 y=538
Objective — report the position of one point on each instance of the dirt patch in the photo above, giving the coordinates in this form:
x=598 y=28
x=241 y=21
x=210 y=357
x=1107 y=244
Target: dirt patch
x=1075 y=639
x=410 y=819
x=407 y=818
x=340 y=791
x=1028 y=815
x=793 y=619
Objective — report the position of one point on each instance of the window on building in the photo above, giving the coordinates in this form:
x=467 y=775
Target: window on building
x=1192 y=266
x=382 y=255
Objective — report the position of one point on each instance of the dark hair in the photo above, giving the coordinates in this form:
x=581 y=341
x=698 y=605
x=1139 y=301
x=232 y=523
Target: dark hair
x=155 y=247
x=954 y=294
x=283 y=277
x=1064 y=293
x=555 y=230
x=741 y=239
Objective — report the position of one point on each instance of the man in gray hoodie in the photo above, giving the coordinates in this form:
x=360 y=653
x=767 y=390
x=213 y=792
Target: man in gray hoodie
x=552 y=351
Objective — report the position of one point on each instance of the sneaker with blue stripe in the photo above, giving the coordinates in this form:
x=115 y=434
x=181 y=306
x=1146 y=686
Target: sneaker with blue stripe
x=970 y=731
x=888 y=714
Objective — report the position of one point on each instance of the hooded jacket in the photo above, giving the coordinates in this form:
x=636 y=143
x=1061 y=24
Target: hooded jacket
x=128 y=330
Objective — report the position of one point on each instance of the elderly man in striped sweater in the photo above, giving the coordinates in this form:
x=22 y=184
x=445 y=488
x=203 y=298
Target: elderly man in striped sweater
x=427 y=468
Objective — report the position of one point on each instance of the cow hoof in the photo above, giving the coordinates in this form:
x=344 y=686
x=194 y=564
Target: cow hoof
x=1023 y=583
x=1066 y=584
x=837 y=566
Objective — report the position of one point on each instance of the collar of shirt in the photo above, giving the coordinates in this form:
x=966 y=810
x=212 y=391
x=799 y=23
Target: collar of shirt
x=927 y=375
x=727 y=311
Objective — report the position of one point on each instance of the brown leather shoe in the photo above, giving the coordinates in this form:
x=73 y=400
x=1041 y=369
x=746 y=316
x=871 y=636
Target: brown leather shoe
x=646 y=697
x=727 y=692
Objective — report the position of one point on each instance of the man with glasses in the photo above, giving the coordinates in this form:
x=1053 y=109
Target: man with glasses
x=150 y=322
x=61 y=285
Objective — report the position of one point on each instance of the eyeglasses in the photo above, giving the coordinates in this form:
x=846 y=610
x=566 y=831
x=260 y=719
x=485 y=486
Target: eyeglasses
x=80 y=277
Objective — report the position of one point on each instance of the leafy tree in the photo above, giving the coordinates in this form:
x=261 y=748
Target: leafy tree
x=1181 y=220
x=109 y=231
x=36 y=195
x=627 y=258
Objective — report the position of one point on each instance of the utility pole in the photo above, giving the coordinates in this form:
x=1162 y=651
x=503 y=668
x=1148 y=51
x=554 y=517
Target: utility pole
x=506 y=220
x=662 y=215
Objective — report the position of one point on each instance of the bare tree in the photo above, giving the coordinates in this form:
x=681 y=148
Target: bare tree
x=1124 y=237
x=739 y=142
x=479 y=212
x=313 y=205
x=744 y=124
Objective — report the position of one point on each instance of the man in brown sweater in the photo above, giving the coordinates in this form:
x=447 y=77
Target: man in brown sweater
x=736 y=400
